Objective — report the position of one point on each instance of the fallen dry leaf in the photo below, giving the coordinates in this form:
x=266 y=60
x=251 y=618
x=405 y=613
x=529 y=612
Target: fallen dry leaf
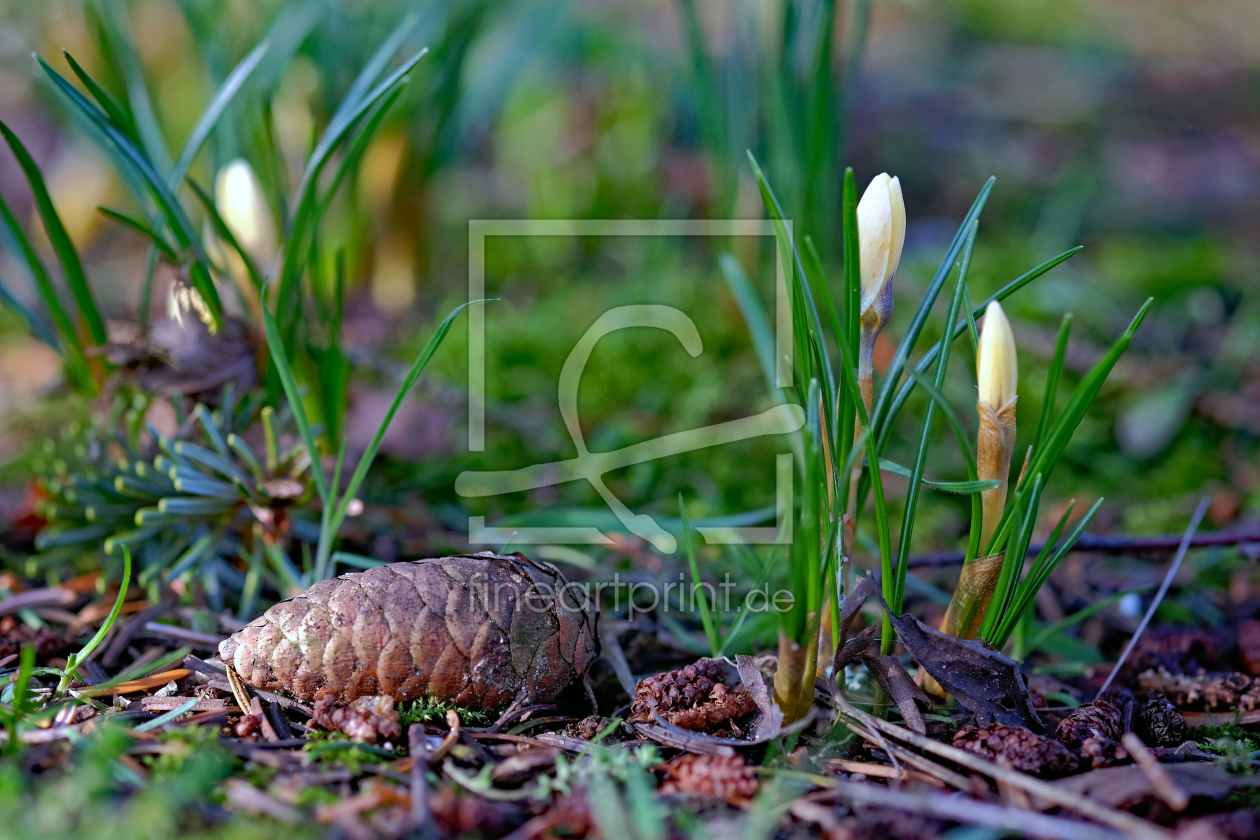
x=985 y=682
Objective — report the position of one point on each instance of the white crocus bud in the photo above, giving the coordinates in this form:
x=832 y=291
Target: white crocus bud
x=241 y=203
x=881 y=222
x=996 y=369
x=998 y=377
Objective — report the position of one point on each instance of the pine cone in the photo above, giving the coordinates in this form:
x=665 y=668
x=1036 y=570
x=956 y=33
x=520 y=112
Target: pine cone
x=726 y=776
x=679 y=689
x=1100 y=719
x=1027 y=751
x=1211 y=691
x=1158 y=722
x=476 y=630
x=693 y=697
x=1103 y=752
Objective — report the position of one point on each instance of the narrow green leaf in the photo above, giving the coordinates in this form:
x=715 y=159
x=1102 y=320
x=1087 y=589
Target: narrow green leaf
x=110 y=105
x=712 y=631
x=958 y=487
x=1052 y=381
x=210 y=116
x=142 y=229
x=281 y=361
x=62 y=246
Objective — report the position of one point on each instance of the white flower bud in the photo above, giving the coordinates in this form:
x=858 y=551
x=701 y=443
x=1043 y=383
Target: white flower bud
x=881 y=221
x=996 y=368
x=241 y=203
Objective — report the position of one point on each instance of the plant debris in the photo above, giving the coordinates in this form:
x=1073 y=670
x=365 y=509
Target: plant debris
x=985 y=682
x=1204 y=690
x=723 y=776
x=694 y=697
x=365 y=719
x=481 y=631
x=1026 y=751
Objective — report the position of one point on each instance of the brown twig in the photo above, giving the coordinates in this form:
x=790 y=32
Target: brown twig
x=1109 y=544
x=1161 y=782
x=970 y=812
x=1186 y=539
x=1119 y=820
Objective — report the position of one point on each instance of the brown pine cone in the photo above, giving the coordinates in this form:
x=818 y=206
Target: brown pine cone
x=1103 y=752
x=1027 y=751
x=1100 y=719
x=679 y=689
x=1158 y=722
x=1204 y=690
x=476 y=630
x=693 y=697
x=726 y=776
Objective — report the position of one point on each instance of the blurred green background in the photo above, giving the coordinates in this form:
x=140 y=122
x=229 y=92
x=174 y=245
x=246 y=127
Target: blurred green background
x=1132 y=128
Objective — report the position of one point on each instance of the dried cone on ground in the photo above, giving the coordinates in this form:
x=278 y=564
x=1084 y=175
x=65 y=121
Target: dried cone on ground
x=1027 y=751
x=480 y=631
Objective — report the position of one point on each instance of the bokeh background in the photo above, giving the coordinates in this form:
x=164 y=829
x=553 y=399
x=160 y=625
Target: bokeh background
x=1131 y=128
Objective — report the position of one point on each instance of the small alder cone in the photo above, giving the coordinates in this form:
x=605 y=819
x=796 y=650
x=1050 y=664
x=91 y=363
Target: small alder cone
x=479 y=631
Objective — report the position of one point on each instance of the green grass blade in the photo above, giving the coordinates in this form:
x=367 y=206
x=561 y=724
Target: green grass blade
x=881 y=414
x=60 y=239
x=711 y=631
x=417 y=368
x=958 y=487
x=754 y=316
x=1044 y=459
x=1013 y=562
x=142 y=229
x=210 y=116
x=77 y=659
x=930 y=356
x=71 y=344
x=143 y=169
x=929 y=415
x=1052 y=381
x=281 y=361
x=112 y=109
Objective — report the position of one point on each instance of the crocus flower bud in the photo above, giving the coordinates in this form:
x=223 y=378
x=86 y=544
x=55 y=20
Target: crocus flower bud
x=881 y=220
x=996 y=370
x=998 y=378
x=239 y=198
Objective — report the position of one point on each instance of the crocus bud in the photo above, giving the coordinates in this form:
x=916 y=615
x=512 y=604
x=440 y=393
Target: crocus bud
x=998 y=378
x=996 y=369
x=881 y=221
x=239 y=198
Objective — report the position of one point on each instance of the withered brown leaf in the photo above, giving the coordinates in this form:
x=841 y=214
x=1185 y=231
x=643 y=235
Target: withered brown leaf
x=480 y=631
x=985 y=682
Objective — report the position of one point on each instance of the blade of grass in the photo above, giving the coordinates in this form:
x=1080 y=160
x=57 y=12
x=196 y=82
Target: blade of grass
x=1044 y=459
x=925 y=433
x=213 y=111
x=136 y=161
x=113 y=110
x=711 y=629
x=1052 y=381
x=76 y=659
x=281 y=361
x=141 y=228
x=369 y=455
x=59 y=238
x=71 y=345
